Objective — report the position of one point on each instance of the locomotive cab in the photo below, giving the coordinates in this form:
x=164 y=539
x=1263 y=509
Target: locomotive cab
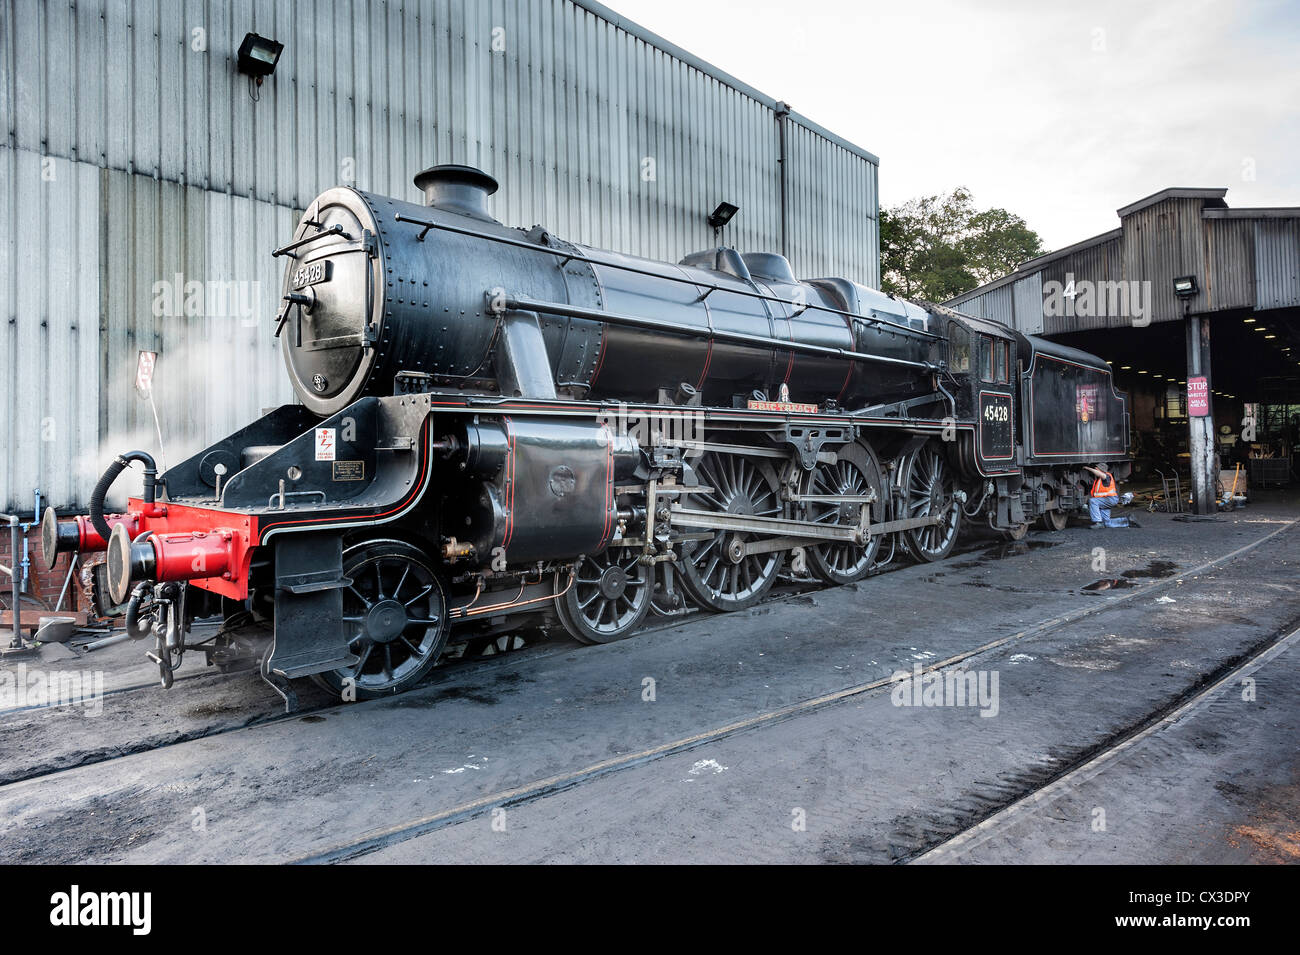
x=983 y=363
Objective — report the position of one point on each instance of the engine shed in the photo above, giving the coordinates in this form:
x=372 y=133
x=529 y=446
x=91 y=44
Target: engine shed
x=148 y=210
x=1195 y=306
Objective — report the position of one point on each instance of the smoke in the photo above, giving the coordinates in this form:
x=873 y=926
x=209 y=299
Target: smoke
x=204 y=390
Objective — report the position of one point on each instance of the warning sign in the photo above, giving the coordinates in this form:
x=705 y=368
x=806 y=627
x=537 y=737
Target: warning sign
x=1198 y=397
x=325 y=444
x=144 y=366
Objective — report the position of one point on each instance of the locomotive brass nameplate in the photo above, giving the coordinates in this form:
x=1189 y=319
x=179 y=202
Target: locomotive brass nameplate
x=787 y=407
x=349 y=470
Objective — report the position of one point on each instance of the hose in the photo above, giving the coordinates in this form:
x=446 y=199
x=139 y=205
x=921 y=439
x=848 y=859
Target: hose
x=120 y=464
x=133 y=609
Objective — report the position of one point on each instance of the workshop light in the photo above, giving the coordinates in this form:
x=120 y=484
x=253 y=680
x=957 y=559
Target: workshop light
x=722 y=215
x=1125 y=367
x=1142 y=372
x=1249 y=321
x=258 y=56
x=1185 y=286
x=1261 y=328
x=1270 y=336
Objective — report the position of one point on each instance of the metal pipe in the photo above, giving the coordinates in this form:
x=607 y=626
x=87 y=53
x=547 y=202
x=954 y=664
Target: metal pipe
x=782 y=115
x=710 y=334
x=17 y=642
x=72 y=566
x=107 y=641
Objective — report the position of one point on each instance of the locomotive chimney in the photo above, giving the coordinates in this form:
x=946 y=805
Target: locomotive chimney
x=459 y=189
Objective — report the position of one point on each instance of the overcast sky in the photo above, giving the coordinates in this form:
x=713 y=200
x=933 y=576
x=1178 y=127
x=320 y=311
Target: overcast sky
x=1061 y=112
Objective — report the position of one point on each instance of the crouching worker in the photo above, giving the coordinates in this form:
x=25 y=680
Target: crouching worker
x=1105 y=495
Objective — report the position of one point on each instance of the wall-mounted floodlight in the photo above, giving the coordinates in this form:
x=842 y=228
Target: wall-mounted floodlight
x=1185 y=286
x=722 y=215
x=258 y=56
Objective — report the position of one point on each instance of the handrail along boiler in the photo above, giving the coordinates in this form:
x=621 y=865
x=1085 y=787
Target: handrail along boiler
x=499 y=427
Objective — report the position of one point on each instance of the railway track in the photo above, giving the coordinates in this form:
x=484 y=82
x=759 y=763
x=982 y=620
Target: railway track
x=788 y=587
x=550 y=785
x=1231 y=673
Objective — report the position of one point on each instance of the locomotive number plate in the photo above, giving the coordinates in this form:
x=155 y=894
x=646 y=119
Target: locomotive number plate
x=312 y=273
x=996 y=437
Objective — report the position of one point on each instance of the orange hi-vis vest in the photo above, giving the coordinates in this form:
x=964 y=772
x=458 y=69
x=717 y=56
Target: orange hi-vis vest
x=1104 y=486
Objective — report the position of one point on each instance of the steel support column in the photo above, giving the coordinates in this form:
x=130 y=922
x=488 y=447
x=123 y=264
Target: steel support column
x=1201 y=427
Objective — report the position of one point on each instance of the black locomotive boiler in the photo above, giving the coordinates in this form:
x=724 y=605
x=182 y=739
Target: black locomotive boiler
x=497 y=426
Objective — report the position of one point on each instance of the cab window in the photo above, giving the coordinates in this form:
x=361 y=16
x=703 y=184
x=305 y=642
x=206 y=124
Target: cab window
x=1003 y=372
x=958 y=349
x=986 y=358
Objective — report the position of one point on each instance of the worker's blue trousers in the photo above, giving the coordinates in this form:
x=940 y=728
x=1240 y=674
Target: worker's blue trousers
x=1099 y=511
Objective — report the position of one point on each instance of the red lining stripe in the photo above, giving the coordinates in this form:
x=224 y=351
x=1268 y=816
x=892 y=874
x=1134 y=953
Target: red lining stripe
x=609 y=492
x=708 y=360
x=848 y=373
x=600 y=358
x=424 y=472
x=510 y=483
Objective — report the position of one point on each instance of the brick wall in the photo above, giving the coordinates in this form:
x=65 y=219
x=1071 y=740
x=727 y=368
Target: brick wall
x=41 y=582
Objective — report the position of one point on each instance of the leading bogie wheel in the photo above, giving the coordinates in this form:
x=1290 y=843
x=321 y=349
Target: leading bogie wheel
x=718 y=573
x=608 y=597
x=395 y=612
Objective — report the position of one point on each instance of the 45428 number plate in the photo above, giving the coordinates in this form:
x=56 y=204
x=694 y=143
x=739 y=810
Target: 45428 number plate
x=312 y=273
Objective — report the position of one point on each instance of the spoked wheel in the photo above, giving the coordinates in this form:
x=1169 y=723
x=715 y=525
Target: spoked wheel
x=1055 y=520
x=856 y=473
x=396 y=615
x=716 y=572
x=929 y=488
x=609 y=597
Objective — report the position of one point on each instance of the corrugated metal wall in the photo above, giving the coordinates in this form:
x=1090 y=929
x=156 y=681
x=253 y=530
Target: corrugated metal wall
x=135 y=154
x=832 y=208
x=1277 y=258
x=1230 y=254
x=1162 y=241
x=1027 y=301
x=1243 y=259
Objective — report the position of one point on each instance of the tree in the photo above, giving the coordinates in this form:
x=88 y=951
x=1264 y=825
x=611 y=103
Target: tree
x=936 y=247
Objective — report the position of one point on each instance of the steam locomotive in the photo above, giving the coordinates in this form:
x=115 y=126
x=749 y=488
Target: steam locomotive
x=497 y=427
